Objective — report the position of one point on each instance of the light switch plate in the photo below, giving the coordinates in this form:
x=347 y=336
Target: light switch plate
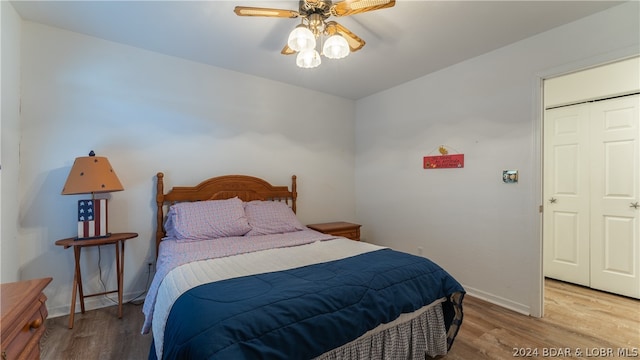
x=510 y=176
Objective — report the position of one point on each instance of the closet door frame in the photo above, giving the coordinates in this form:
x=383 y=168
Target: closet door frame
x=541 y=96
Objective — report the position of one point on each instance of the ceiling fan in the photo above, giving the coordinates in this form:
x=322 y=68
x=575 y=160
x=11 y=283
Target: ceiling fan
x=314 y=25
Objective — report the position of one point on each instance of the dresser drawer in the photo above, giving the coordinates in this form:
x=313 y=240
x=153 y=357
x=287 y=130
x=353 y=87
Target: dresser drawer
x=23 y=311
x=23 y=337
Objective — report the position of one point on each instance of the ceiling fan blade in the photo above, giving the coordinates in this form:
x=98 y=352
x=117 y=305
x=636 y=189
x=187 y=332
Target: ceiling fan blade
x=348 y=7
x=355 y=42
x=256 y=11
x=286 y=50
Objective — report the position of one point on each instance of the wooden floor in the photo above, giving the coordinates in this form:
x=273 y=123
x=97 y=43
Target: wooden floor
x=577 y=318
x=97 y=334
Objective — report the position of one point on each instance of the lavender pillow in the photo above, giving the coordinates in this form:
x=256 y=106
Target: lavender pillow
x=203 y=220
x=271 y=217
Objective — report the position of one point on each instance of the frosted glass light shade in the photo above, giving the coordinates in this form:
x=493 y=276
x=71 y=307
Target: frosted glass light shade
x=336 y=47
x=301 y=38
x=308 y=59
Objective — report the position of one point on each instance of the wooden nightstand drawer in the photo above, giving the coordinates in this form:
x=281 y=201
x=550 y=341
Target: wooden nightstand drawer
x=25 y=336
x=23 y=315
x=351 y=234
x=339 y=228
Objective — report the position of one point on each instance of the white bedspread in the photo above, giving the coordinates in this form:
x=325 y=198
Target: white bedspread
x=187 y=276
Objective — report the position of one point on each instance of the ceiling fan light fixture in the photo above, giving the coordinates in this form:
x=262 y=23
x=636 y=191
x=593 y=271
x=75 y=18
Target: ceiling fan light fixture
x=301 y=38
x=314 y=27
x=308 y=59
x=336 y=47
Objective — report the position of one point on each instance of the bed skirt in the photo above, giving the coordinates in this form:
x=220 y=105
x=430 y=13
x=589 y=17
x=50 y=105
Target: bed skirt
x=408 y=337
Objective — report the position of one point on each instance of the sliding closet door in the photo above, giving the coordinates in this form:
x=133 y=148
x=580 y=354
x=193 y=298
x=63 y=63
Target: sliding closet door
x=615 y=183
x=566 y=194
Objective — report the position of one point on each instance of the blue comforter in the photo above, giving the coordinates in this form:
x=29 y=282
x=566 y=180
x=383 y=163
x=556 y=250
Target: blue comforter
x=303 y=312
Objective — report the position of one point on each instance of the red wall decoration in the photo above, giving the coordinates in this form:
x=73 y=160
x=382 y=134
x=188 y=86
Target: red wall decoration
x=444 y=161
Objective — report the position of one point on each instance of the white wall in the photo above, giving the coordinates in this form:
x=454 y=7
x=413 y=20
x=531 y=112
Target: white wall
x=484 y=232
x=148 y=112
x=10 y=143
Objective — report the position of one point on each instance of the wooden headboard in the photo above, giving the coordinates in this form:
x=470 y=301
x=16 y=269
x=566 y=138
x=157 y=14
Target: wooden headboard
x=245 y=187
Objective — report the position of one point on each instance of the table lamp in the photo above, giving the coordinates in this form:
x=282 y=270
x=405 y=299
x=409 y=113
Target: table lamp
x=90 y=175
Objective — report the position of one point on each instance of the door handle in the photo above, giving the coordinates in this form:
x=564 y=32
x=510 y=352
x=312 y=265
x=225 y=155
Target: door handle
x=634 y=205
x=553 y=200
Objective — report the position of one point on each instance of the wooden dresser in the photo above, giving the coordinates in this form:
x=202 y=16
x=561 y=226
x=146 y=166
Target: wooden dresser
x=23 y=315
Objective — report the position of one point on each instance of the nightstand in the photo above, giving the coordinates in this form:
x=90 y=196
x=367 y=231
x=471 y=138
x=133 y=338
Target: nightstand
x=339 y=228
x=23 y=315
x=116 y=239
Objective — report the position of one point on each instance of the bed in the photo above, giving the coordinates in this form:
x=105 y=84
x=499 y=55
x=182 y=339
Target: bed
x=239 y=277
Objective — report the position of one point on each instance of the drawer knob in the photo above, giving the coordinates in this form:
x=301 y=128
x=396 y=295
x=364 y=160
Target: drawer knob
x=35 y=323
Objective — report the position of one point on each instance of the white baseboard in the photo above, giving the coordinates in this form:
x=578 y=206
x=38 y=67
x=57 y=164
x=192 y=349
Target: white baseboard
x=96 y=302
x=498 y=300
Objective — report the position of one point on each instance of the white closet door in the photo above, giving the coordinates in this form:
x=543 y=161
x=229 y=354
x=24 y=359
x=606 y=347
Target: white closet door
x=615 y=182
x=566 y=194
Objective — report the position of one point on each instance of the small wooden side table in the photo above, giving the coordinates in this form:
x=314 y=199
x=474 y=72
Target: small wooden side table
x=338 y=228
x=116 y=239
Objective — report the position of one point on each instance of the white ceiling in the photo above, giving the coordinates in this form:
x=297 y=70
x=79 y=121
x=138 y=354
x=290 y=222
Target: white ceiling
x=404 y=42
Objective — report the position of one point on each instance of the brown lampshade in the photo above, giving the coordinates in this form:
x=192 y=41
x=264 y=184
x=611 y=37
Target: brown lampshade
x=91 y=174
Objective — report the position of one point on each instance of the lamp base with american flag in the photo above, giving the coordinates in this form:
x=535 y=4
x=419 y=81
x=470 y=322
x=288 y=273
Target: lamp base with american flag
x=92 y=219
